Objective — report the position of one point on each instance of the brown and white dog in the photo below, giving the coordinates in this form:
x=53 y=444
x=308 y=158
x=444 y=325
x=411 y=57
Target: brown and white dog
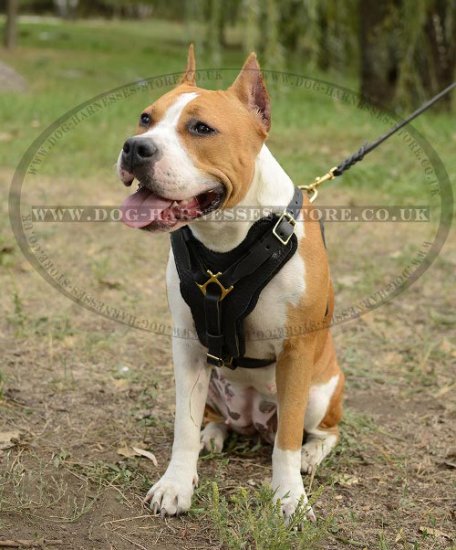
x=197 y=150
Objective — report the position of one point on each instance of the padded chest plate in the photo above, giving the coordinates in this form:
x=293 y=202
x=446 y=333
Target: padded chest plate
x=221 y=289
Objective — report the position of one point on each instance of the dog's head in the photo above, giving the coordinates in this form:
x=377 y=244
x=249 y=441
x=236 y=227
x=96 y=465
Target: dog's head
x=194 y=150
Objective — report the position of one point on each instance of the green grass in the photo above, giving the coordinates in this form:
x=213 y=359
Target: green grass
x=249 y=519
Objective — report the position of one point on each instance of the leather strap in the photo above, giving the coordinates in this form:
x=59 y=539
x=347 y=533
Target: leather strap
x=189 y=256
x=213 y=315
x=267 y=246
x=251 y=363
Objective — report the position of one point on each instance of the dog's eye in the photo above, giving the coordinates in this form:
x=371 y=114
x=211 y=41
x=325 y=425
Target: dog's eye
x=145 y=120
x=201 y=129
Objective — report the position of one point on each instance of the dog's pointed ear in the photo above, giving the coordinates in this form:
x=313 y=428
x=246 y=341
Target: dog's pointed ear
x=189 y=75
x=250 y=88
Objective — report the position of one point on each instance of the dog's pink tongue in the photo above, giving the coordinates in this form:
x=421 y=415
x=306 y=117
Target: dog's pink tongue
x=142 y=208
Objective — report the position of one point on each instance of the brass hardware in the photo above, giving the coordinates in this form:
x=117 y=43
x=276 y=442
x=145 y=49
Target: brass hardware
x=312 y=189
x=214 y=279
x=289 y=217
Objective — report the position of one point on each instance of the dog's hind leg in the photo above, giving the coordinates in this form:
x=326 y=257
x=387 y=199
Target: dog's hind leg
x=318 y=445
x=324 y=412
x=215 y=429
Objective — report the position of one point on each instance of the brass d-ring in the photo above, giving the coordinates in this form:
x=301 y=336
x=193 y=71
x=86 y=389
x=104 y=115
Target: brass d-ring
x=213 y=278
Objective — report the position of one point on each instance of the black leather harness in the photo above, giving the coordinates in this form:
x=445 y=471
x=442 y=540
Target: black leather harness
x=219 y=303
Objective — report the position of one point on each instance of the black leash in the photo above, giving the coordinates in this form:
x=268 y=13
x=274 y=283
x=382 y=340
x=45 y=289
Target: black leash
x=368 y=147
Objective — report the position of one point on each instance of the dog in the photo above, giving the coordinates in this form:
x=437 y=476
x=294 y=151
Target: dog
x=195 y=152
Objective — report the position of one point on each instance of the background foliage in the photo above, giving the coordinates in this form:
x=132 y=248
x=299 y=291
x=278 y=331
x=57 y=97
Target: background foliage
x=402 y=51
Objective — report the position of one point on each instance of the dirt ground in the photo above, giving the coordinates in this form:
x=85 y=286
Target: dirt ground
x=80 y=391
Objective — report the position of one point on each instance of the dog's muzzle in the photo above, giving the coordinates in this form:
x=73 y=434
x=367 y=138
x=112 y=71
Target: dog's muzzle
x=137 y=152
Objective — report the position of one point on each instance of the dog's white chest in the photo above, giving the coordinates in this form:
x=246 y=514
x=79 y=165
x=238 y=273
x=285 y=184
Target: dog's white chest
x=265 y=328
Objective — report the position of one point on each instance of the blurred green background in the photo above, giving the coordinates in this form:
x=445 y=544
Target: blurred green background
x=396 y=53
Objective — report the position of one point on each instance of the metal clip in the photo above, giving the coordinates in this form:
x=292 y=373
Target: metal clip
x=312 y=188
x=218 y=361
x=214 y=279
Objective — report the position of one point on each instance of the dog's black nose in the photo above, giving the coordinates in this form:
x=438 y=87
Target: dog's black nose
x=137 y=151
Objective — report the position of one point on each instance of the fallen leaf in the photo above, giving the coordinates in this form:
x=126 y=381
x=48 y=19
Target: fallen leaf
x=9 y=439
x=147 y=454
x=443 y=390
x=121 y=384
x=346 y=480
x=435 y=532
x=127 y=452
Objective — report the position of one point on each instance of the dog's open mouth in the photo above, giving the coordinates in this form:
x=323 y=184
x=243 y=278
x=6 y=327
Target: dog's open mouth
x=146 y=210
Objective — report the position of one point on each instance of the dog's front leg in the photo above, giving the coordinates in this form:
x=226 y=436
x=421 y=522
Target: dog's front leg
x=172 y=494
x=293 y=375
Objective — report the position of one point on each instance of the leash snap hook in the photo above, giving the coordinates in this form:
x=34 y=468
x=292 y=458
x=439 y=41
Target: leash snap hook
x=219 y=361
x=312 y=189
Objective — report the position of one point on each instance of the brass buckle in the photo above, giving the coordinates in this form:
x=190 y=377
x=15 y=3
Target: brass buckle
x=220 y=362
x=214 y=279
x=289 y=217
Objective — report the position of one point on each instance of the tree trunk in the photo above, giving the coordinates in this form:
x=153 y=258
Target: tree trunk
x=273 y=54
x=378 y=48
x=11 y=24
x=439 y=70
x=251 y=27
x=408 y=51
x=213 y=31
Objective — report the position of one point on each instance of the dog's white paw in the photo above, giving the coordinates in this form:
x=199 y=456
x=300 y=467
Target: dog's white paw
x=291 y=500
x=171 y=495
x=288 y=486
x=213 y=437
